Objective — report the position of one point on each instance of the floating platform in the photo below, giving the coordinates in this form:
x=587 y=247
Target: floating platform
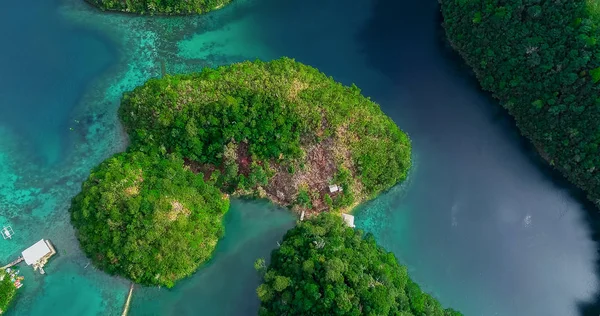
x=38 y=254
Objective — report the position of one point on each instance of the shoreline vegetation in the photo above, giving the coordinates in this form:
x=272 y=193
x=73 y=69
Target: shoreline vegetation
x=542 y=62
x=324 y=267
x=278 y=130
x=7 y=291
x=160 y=7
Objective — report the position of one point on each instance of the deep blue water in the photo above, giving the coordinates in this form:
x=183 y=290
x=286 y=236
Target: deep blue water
x=482 y=223
x=46 y=64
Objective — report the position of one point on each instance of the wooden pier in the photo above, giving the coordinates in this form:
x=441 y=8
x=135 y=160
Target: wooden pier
x=128 y=301
x=15 y=262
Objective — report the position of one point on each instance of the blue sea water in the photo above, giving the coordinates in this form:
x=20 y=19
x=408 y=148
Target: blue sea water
x=481 y=223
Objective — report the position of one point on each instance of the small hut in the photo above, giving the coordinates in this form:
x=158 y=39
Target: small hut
x=349 y=220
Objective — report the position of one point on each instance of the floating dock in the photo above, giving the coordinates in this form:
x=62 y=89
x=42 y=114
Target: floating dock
x=38 y=254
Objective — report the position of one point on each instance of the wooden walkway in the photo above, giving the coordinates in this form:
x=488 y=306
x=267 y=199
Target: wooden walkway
x=17 y=261
x=128 y=301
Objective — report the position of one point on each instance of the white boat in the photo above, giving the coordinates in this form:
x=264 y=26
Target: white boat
x=7 y=232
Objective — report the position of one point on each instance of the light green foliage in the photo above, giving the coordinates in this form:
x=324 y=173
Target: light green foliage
x=278 y=109
x=160 y=7
x=326 y=268
x=595 y=73
x=541 y=59
x=303 y=199
x=147 y=218
x=7 y=291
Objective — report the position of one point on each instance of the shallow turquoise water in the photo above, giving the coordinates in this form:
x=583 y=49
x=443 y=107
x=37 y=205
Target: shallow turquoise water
x=479 y=222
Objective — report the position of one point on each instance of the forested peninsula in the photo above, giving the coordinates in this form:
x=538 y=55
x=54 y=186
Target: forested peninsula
x=278 y=130
x=323 y=267
x=541 y=59
x=160 y=7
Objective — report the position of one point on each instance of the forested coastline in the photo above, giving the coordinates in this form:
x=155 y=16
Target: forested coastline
x=323 y=267
x=541 y=59
x=279 y=130
x=7 y=291
x=160 y=7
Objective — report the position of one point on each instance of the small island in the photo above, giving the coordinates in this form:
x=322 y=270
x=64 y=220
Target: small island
x=8 y=290
x=324 y=267
x=160 y=7
x=278 y=130
x=147 y=218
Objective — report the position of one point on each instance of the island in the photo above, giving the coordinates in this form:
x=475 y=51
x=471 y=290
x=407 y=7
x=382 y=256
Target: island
x=324 y=267
x=160 y=7
x=279 y=130
x=148 y=218
x=8 y=290
x=541 y=59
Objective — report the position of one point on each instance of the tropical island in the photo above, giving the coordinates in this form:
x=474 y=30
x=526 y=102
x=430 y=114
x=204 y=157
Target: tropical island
x=148 y=219
x=542 y=61
x=8 y=290
x=278 y=130
x=160 y=7
x=323 y=267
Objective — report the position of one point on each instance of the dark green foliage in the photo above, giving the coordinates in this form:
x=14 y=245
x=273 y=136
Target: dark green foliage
x=541 y=59
x=326 y=268
x=148 y=219
x=7 y=291
x=245 y=117
x=161 y=7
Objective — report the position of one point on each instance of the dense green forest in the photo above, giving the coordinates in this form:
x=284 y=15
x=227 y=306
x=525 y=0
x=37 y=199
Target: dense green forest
x=280 y=130
x=541 y=59
x=324 y=267
x=161 y=7
x=7 y=291
x=148 y=219
x=275 y=129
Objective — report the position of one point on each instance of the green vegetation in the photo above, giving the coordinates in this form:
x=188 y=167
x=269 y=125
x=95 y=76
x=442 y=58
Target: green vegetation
x=324 y=267
x=541 y=59
x=7 y=291
x=275 y=129
x=161 y=7
x=280 y=130
x=148 y=219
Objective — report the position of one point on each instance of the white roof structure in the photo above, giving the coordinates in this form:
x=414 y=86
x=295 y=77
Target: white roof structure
x=349 y=219
x=36 y=252
x=333 y=188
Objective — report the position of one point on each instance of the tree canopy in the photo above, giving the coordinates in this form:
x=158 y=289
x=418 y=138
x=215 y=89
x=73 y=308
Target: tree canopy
x=324 y=267
x=161 y=7
x=7 y=291
x=148 y=219
x=278 y=129
x=541 y=59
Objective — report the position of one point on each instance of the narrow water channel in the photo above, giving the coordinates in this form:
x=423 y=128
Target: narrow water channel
x=482 y=223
